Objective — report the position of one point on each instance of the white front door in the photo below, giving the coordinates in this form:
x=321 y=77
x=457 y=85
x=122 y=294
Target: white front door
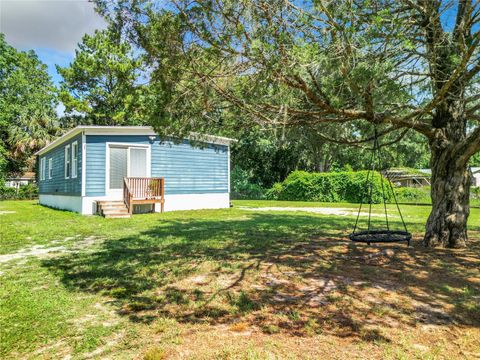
x=125 y=161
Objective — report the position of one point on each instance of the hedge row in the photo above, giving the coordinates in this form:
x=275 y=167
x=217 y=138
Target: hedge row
x=347 y=186
x=24 y=192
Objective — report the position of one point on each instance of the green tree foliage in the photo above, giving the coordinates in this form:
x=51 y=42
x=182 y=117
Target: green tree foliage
x=266 y=159
x=175 y=99
x=271 y=156
x=102 y=84
x=3 y=163
x=475 y=160
x=27 y=108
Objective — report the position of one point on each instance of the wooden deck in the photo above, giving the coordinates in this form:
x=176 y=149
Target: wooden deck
x=140 y=190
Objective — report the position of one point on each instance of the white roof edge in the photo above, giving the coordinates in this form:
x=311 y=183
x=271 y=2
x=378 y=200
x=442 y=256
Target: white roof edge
x=128 y=130
x=69 y=134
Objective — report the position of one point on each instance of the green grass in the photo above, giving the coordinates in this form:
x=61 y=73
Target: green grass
x=154 y=283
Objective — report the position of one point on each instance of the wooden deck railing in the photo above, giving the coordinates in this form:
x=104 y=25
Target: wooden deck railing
x=127 y=195
x=139 y=190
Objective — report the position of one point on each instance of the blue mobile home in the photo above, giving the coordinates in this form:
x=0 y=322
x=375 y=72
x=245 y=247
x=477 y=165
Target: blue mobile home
x=91 y=166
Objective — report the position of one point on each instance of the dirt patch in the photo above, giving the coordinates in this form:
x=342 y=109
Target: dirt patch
x=37 y=251
x=42 y=251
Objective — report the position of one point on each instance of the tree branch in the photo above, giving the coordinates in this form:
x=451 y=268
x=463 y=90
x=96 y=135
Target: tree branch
x=469 y=146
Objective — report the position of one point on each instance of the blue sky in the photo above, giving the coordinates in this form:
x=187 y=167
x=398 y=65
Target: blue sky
x=52 y=28
x=52 y=57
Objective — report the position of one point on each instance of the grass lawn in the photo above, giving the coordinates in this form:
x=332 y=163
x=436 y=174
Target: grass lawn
x=239 y=283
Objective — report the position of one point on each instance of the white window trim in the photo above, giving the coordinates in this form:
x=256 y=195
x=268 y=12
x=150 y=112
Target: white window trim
x=74 y=156
x=84 y=164
x=42 y=168
x=50 y=168
x=67 y=162
x=109 y=191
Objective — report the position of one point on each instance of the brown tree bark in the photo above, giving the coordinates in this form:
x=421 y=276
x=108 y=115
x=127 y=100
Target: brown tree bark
x=451 y=178
x=447 y=223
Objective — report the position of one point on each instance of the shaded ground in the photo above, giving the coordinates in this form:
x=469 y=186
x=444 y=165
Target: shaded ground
x=253 y=284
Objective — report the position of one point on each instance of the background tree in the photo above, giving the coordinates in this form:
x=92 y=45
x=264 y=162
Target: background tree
x=102 y=85
x=27 y=108
x=269 y=156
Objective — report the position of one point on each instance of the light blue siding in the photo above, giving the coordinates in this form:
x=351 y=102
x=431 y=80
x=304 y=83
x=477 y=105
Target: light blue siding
x=186 y=169
x=58 y=185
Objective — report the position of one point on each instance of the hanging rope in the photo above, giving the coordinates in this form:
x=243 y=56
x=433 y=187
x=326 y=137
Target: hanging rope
x=384 y=234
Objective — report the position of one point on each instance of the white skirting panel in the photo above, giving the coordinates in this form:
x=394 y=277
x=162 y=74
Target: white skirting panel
x=172 y=202
x=195 y=202
x=62 y=202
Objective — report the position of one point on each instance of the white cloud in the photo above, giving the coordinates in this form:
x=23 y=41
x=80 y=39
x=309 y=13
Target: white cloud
x=54 y=24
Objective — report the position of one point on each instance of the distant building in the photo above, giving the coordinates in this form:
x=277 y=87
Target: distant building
x=475 y=175
x=408 y=177
x=15 y=181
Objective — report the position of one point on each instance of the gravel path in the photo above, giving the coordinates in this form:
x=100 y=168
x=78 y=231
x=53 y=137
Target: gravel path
x=315 y=210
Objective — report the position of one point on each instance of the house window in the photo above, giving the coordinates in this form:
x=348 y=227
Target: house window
x=74 y=159
x=42 y=169
x=68 y=164
x=50 y=168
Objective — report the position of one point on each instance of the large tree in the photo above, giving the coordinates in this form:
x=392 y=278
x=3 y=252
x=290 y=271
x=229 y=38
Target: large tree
x=102 y=86
x=27 y=108
x=398 y=65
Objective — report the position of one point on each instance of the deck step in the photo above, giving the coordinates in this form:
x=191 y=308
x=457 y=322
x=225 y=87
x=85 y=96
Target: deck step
x=113 y=209
x=116 y=216
x=110 y=203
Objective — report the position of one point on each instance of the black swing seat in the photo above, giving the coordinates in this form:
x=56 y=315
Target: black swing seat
x=380 y=236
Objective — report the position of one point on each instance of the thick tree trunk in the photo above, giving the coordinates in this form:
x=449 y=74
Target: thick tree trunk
x=447 y=223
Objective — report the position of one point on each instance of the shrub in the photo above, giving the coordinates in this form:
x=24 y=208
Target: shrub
x=7 y=193
x=330 y=187
x=475 y=196
x=475 y=192
x=25 y=192
x=274 y=192
x=29 y=192
x=244 y=188
x=249 y=191
x=414 y=195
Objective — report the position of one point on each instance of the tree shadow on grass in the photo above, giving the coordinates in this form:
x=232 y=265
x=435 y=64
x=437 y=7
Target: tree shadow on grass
x=278 y=272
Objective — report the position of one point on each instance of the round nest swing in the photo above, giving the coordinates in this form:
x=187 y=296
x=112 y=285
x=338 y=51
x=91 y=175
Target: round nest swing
x=384 y=234
x=376 y=236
